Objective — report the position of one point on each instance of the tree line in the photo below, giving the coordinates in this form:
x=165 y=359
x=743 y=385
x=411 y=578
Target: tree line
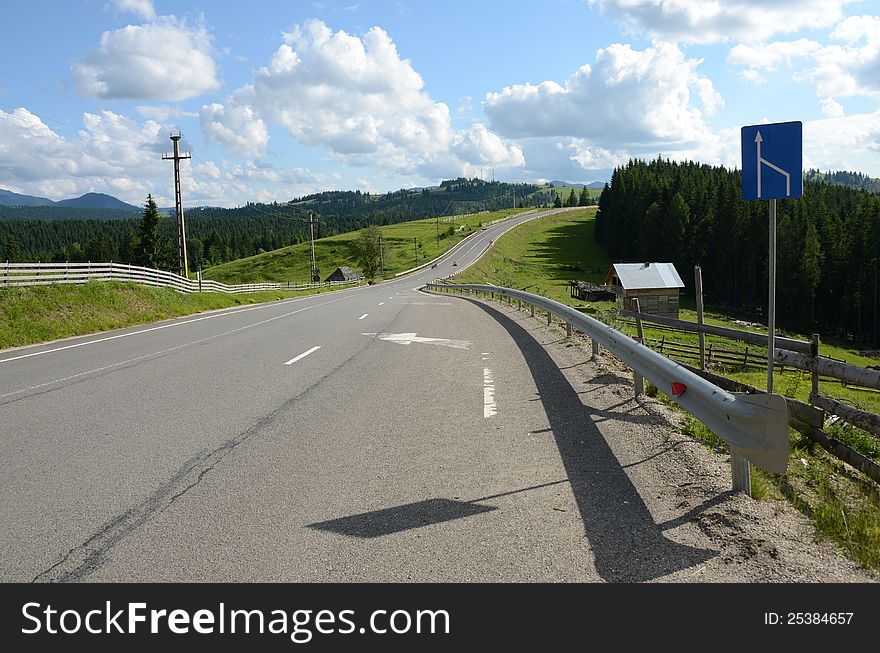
x=828 y=242
x=216 y=235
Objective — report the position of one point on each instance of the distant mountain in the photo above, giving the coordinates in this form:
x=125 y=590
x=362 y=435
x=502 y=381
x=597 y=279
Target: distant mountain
x=8 y=198
x=87 y=201
x=595 y=185
x=97 y=201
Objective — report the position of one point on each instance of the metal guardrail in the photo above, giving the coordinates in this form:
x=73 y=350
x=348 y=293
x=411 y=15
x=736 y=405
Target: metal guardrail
x=41 y=274
x=755 y=426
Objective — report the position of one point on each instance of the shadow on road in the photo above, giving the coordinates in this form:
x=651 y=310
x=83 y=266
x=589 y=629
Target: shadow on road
x=626 y=543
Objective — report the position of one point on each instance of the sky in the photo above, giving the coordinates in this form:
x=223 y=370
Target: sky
x=280 y=99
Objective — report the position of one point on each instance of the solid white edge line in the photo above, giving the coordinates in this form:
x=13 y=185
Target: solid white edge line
x=303 y=355
x=489 y=407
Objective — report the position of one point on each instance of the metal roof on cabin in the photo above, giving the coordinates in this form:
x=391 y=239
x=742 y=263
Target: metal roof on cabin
x=639 y=276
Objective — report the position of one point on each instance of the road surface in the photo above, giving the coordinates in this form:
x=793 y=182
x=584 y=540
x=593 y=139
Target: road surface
x=371 y=434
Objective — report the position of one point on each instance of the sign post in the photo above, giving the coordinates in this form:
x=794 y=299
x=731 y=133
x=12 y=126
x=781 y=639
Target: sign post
x=772 y=168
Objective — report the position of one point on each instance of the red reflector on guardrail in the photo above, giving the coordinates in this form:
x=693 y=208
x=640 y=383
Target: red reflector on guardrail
x=678 y=388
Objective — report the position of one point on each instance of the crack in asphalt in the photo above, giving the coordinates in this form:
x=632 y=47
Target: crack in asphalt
x=90 y=555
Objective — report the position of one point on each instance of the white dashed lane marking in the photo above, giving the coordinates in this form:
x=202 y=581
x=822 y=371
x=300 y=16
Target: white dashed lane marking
x=303 y=355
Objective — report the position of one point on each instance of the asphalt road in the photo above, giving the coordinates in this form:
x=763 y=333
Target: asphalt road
x=345 y=436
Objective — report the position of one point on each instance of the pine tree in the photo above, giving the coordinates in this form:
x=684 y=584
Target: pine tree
x=584 y=198
x=152 y=251
x=557 y=201
x=13 y=253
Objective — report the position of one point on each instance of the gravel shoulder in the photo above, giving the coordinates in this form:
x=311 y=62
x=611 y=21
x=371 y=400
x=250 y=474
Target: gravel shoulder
x=683 y=485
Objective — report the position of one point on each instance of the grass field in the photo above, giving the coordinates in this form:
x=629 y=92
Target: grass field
x=543 y=255
x=406 y=245
x=35 y=314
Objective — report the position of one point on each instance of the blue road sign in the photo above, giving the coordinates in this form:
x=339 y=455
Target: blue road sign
x=772 y=161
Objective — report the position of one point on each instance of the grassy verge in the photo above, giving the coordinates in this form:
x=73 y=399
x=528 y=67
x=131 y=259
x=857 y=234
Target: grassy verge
x=406 y=245
x=30 y=315
x=545 y=254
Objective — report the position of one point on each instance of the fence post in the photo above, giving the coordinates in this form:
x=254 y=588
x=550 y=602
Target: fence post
x=698 y=279
x=814 y=350
x=6 y=273
x=638 y=381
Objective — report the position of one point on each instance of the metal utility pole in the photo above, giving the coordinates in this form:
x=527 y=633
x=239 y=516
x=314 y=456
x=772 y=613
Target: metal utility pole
x=771 y=302
x=182 y=263
x=316 y=274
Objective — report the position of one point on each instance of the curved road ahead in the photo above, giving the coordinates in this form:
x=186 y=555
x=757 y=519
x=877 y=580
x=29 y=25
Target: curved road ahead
x=372 y=434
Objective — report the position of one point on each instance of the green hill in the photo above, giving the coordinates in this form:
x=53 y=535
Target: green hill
x=406 y=245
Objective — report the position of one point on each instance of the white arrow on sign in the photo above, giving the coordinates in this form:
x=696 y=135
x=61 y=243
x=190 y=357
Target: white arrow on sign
x=409 y=338
x=758 y=141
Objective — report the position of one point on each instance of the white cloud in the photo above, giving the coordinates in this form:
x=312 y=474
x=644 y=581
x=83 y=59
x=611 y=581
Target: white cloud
x=143 y=8
x=235 y=126
x=628 y=99
x=831 y=108
x=843 y=143
x=713 y=21
x=769 y=56
x=853 y=67
x=848 y=68
x=162 y=60
x=163 y=112
x=358 y=99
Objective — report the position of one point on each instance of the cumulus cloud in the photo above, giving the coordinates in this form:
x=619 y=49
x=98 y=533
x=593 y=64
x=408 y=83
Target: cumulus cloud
x=111 y=154
x=358 y=99
x=626 y=99
x=143 y=8
x=236 y=126
x=831 y=108
x=849 y=67
x=843 y=142
x=713 y=21
x=162 y=60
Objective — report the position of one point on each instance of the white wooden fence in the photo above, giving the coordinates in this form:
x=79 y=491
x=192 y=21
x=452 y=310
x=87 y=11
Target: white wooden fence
x=41 y=274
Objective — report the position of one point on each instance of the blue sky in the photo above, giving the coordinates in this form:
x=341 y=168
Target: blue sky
x=280 y=99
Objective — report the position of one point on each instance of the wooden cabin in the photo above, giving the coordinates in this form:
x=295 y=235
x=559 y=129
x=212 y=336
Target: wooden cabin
x=656 y=285
x=343 y=273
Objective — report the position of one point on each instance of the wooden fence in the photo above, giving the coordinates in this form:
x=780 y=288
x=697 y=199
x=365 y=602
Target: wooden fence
x=805 y=418
x=41 y=274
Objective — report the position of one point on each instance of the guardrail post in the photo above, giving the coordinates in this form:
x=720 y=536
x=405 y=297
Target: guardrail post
x=533 y=309
x=595 y=348
x=740 y=472
x=549 y=318
x=6 y=274
x=509 y=300
x=519 y=304
x=568 y=329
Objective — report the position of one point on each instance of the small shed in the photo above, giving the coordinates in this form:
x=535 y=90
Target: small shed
x=655 y=285
x=591 y=292
x=344 y=273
